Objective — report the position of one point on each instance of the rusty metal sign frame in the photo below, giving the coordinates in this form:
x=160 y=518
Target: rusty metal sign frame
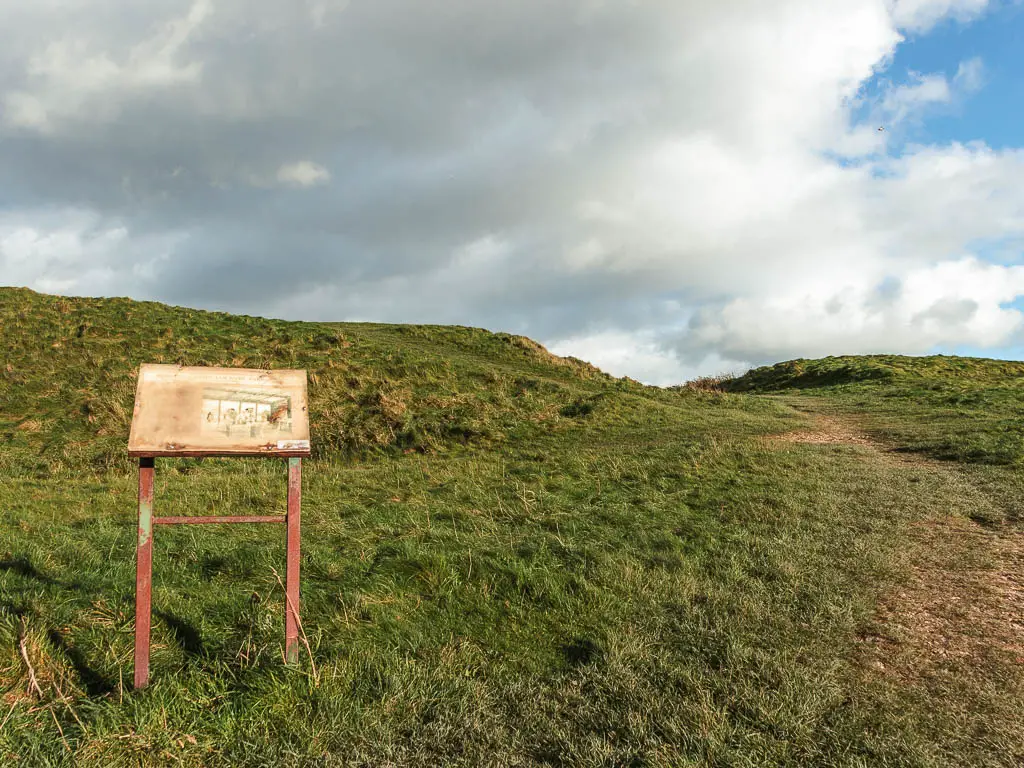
x=147 y=523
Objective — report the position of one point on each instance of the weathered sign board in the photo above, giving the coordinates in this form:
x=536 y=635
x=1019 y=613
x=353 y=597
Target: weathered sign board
x=182 y=411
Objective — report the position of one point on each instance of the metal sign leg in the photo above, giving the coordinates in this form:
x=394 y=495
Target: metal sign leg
x=144 y=562
x=144 y=572
x=291 y=615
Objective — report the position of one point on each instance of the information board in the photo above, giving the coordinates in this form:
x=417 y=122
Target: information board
x=199 y=411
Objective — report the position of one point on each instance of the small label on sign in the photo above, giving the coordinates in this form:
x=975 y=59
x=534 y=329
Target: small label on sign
x=293 y=445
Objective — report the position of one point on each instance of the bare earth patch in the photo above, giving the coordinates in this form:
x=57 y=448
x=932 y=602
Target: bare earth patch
x=962 y=607
x=826 y=431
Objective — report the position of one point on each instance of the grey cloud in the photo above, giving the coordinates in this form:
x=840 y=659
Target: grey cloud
x=949 y=311
x=434 y=126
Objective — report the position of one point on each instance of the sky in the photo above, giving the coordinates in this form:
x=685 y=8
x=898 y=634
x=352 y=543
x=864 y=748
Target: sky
x=668 y=188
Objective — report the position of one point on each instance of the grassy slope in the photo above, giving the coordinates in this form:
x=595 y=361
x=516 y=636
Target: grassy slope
x=960 y=418
x=508 y=558
x=955 y=408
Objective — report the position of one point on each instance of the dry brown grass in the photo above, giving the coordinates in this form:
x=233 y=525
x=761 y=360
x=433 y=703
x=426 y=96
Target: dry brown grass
x=541 y=353
x=709 y=383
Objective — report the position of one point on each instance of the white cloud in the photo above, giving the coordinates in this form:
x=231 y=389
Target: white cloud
x=950 y=303
x=69 y=81
x=808 y=270
x=76 y=252
x=912 y=99
x=970 y=75
x=923 y=90
x=302 y=174
x=922 y=15
x=642 y=357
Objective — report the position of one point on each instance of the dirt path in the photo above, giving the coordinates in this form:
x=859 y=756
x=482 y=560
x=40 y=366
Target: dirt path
x=827 y=430
x=961 y=609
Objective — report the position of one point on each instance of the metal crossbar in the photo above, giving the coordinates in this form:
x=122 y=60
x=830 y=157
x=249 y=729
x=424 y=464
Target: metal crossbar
x=196 y=520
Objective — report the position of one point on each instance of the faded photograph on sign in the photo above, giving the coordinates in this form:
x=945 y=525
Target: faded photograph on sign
x=237 y=412
x=219 y=412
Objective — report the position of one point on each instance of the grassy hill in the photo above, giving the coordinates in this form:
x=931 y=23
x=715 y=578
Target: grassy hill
x=509 y=558
x=70 y=364
x=958 y=408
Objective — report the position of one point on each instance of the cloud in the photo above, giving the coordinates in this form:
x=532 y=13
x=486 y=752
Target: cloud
x=912 y=99
x=903 y=100
x=76 y=251
x=922 y=15
x=302 y=174
x=642 y=356
x=970 y=75
x=70 y=81
x=664 y=188
x=953 y=303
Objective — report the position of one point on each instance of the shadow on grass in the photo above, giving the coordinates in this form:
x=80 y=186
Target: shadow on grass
x=581 y=651
x=22 y=566
x=94 y=683
x=186 y=635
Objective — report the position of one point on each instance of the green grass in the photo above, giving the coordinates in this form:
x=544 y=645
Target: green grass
x=969 y=410
x=508 y=559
